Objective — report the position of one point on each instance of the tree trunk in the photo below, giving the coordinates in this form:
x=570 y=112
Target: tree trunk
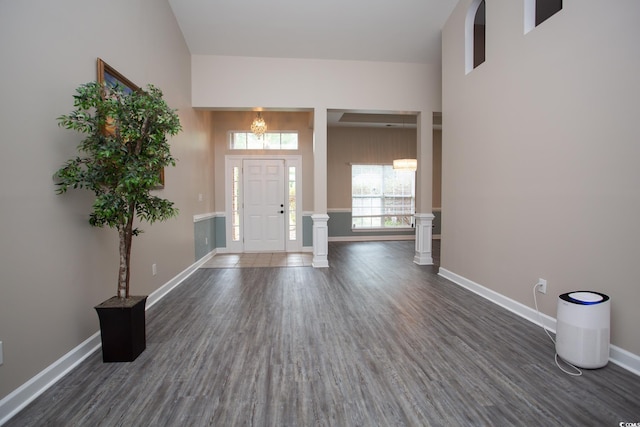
x=125 y=235
x=124 y=267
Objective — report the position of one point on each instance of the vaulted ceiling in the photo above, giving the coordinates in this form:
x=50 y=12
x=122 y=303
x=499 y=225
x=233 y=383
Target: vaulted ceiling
x=361 y=30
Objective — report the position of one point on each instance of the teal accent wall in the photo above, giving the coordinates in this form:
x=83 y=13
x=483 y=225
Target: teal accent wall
x=340 y=226
x=210 y=233
x=307 y=231
x=220 y=228
x=204 y=237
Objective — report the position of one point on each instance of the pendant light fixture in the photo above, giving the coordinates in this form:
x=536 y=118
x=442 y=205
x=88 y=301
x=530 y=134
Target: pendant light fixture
x=405 y=164
x=258 y=127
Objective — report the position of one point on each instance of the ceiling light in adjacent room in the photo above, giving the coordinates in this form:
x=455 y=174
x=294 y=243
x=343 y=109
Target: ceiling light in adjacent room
x=405 y=164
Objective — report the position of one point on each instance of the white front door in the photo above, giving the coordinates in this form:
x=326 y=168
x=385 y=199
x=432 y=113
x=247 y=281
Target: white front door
x=264 y=205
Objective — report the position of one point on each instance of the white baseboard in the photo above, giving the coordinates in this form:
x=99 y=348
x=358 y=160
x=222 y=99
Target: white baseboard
x=162 y=291
x=370 y=238
x=625 y=359
x=617 y=355
x=15 y=401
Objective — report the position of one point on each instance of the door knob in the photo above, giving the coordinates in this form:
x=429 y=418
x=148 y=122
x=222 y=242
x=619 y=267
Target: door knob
x=282 y=212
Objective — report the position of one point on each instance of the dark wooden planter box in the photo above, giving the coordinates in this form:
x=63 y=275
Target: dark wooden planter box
x=122 y=328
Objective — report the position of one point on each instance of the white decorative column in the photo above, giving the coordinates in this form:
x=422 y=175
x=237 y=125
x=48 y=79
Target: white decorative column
x=320 y=240
x=424 y=189
x=424 y=224
x=320 y=217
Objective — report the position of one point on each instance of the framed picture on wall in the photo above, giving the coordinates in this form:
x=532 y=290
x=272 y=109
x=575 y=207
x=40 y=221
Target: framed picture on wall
x=111 y=77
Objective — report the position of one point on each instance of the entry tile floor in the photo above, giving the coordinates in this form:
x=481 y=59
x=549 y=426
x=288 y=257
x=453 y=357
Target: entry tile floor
x=275 y=259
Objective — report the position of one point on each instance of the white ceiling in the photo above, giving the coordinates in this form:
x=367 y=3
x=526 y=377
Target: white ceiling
x=363 y=30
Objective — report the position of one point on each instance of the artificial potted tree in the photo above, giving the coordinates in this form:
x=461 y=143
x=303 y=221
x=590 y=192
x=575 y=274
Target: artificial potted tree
x=121 y=159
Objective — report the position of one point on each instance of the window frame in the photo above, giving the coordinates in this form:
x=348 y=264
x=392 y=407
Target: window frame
x=383 y=196
x=232 y=133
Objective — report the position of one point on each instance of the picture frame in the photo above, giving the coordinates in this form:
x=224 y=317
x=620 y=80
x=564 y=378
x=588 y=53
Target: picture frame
x=112 y=77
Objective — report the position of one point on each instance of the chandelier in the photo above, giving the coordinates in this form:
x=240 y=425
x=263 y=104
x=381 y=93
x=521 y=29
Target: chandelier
x=258 y=127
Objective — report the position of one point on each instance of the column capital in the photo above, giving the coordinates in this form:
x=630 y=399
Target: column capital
x=424 y=216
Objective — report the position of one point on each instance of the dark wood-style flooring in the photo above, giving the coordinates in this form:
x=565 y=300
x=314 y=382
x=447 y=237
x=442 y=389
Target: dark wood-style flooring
x=374 y=340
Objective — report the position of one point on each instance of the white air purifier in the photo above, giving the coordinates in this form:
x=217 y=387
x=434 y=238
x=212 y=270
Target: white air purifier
x=582 y=330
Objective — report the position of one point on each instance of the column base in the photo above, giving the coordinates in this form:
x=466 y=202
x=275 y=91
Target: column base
x=320 y=241
x=424 y=224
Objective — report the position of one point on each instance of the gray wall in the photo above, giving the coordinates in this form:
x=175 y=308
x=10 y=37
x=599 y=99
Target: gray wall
x=340 y=225
x=204 y=232
x=307 y=231
x=54 y=267
x=348 y=145
x=540 y=156
x=437 y=168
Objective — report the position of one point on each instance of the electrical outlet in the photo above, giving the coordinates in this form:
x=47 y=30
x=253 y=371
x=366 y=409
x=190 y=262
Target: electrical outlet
x=154 y=270
x=206 y=240
x=542 y=286
x=1 y=356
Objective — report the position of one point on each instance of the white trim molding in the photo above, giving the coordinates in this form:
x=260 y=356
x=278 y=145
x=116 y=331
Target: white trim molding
x=320 y=240
x=162 y=291
x=424 y=226
x=205 y=216
x=529 y=15
x=370 y=238
x=15 y=401
x=617 y=355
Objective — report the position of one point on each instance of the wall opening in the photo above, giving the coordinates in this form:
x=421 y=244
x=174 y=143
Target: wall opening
x=538 y=11
x=475 y=35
